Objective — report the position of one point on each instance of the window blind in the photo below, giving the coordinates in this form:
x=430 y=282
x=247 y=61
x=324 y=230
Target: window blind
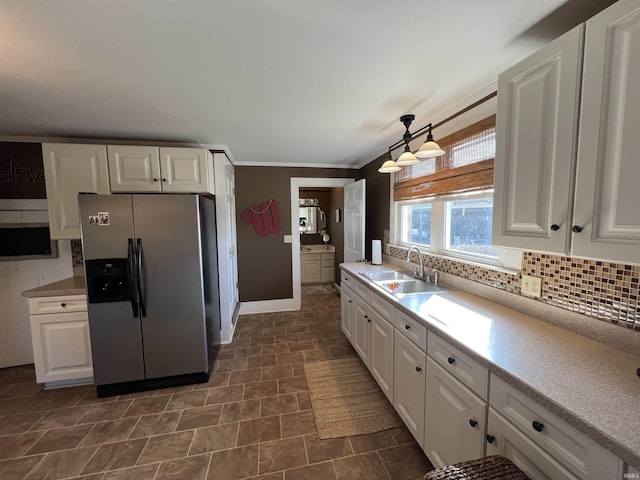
x=467 y=165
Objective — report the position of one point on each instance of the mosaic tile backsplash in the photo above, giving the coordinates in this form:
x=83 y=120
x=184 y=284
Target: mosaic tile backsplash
x=606 y=291
x=77 y=258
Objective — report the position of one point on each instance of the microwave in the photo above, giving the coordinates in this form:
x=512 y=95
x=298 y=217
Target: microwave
x=26 y=241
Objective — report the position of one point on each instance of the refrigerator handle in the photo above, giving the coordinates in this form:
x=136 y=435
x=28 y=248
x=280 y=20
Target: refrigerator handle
x=133 y=291
x=143 y=307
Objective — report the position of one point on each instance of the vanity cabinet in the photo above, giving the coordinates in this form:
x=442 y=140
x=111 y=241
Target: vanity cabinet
x=565 y=184
x=61 y=343
x=68 y=170
x=409 y=385
x=317 y=266
x=540 y=443
x=160 y=169
x=454 y=423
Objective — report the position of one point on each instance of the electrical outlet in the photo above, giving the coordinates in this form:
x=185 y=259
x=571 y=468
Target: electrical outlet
x=287 y=239
x=531 y=286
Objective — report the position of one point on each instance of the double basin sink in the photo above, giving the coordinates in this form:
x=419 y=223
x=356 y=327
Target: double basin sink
x=400 y=283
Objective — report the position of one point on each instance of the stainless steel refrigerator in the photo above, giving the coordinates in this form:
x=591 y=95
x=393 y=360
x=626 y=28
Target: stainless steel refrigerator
x=152 y=289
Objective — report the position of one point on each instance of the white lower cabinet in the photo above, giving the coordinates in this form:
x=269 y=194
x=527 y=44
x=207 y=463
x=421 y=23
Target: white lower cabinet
x=381 y=352
x=558 y=451
x=61 y=343
x=408 y=385
x=346 y=314
x=454 y=423
x=361 y=331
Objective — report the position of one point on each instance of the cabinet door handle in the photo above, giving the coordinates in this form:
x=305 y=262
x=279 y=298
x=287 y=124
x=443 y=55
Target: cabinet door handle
x=155 y=179
x=366 y=316
x=407 y=327
x=368 y=319
x=537 y=426
x=418 y=369
x=577 y=229
x=164 y=179
x=555 y=227
x=451 y=360
x=63 y=305
x=491 y=438
x=349 y=301
x=473 y=423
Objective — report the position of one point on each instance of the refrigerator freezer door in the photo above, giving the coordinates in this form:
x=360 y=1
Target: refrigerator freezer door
x=174 y=330
x=116 y=339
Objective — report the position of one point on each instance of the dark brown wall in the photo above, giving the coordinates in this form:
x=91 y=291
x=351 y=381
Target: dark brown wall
x=377 y=203
x=337 y=228
x=264 y=263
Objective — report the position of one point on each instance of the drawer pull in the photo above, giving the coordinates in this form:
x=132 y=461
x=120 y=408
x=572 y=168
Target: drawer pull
x=418 y=369
x=368 y=319
x=451 y=360
x=63 y=305
x=473 y=423
x=537 y=426
x=491 y=438
x=407 y=327
x=349 y=301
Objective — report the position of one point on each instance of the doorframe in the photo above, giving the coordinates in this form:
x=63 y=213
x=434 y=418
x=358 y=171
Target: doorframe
x=296 y=183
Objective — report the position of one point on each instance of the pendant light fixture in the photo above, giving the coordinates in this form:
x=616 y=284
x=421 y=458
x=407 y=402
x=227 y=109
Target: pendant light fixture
x=429 y=149
x=389 y=166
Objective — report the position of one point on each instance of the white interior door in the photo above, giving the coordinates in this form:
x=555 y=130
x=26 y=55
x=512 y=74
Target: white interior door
x=227 y=245
x=354 y=221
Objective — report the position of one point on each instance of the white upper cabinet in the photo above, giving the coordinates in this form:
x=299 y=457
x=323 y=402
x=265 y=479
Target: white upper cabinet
x=134 y=168
x=562 y=185
x=536 y=126
x=607 y=193
x=186 y=170
x=153 y=169
x=68 y=170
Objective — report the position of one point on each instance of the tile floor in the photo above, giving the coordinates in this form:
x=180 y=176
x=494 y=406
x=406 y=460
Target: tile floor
x=253 y=419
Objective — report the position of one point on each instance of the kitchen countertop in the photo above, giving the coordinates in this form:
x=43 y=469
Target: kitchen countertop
x=68 y=286
x=590 y=385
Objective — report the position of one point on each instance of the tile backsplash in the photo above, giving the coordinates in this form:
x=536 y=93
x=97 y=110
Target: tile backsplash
x=606 y=291
x=77 y=258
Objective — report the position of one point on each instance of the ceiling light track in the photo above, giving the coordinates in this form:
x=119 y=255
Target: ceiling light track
x=429 y=148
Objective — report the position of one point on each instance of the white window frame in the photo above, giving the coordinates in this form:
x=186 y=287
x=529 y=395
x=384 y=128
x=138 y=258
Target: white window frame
x=507 y=259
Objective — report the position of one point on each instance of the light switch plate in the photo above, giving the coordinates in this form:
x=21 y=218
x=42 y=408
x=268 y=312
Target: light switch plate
x=287 y=239
x=531 y=286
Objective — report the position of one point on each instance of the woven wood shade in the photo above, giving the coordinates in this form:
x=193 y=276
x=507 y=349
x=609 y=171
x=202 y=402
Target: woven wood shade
x=467 y=165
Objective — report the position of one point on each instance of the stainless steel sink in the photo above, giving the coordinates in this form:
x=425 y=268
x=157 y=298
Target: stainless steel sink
x=410 y=286
x=382 y=276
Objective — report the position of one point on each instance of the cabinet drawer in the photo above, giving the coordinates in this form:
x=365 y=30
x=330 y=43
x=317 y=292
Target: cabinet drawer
x=412 y=329
x=461 y=366
x=383 y=307
x=62 y=304
x=574 y=450
x=327 y=262
x=358 y=287
x=311 y=257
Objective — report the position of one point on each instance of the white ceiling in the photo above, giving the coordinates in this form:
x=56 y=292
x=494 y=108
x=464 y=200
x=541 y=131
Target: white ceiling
x=280 y=82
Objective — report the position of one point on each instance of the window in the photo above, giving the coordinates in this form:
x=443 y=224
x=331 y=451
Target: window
x=416 y=224
x=468 y=226
x=458 y=226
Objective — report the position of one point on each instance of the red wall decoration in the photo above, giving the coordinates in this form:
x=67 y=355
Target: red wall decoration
x=264 y=216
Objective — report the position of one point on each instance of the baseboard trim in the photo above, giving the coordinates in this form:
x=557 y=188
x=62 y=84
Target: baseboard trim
x=267 y=306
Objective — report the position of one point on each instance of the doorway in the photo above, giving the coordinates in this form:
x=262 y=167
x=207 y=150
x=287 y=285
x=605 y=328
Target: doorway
x=307 y=184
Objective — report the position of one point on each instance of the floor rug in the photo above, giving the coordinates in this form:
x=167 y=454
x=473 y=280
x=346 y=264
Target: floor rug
x=346 y=399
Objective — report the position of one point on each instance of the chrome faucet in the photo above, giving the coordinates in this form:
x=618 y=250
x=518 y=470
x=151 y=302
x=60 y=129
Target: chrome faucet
x=435 y=275
x=413 y=247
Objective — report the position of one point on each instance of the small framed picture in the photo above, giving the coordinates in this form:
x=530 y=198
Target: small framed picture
x=93 y=220
x=103 y=218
